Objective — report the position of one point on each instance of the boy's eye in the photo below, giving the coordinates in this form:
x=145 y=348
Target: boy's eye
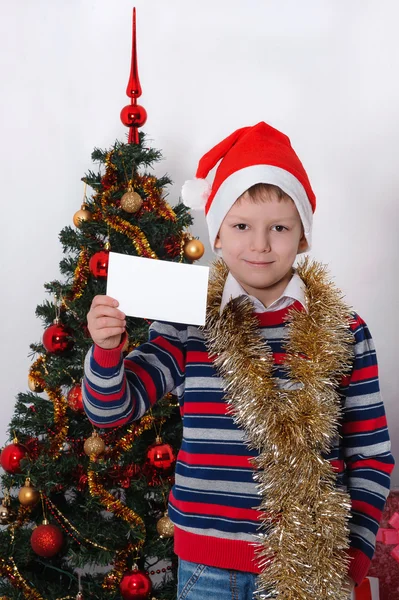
x=240 y=226
x=279 y=228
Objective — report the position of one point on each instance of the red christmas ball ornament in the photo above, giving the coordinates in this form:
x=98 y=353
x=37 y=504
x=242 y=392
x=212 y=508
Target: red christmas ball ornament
x=56 y=338
x=74 y=398
x=133 y=114
x=135 y=585
x=11 y=457
x=160 y=455
x=46 y=540
x=98 y=264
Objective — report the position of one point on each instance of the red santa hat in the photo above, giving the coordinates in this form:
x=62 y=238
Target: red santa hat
x=258 y=154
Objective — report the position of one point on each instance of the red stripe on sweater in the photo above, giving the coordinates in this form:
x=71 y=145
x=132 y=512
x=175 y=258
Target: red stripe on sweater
x=106 y=398
x=171 y=349
x=216 y=510
x=338 y=465
x=206 y=408
x=217 y=552
x=367 y=425
x=345 y=381
x=145 y=379
x=279 y=357
x=276 y=317
x=371 y=463
x=354 y=323
x=365 y=373
x=216 y=460
x=359 y=564
x=367 y=509
x=195 y=356
x=108 y=358
x=118 y=423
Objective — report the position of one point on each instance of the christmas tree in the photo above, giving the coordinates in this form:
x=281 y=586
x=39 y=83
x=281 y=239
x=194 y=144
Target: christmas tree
x=83 y=512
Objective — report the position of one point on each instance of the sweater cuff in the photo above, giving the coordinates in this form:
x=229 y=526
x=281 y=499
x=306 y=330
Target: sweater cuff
x=358 y=566
x=109 y=358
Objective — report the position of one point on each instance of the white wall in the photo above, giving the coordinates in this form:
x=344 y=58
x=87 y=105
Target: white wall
x=325 y=72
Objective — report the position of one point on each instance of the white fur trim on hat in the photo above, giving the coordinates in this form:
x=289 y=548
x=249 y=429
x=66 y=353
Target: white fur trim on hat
x=195 y=193
x=241 y=180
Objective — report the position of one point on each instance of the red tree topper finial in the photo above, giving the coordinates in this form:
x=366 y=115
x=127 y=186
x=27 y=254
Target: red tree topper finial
x=133 y=115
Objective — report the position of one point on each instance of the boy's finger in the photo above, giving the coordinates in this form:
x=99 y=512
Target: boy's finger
x=107 y=322
x=104 y=300
x=107 y=311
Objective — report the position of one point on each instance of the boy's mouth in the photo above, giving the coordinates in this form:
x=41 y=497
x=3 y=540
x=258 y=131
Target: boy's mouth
x=259 y=263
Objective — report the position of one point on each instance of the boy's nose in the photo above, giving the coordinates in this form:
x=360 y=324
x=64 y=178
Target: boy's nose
x=260 y=242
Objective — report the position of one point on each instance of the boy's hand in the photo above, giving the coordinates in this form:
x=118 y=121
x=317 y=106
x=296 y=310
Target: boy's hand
x=105 y=322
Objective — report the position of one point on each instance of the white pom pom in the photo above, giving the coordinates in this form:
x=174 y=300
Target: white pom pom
x=195 y=193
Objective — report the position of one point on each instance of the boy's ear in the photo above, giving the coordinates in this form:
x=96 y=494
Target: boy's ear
x=302 y=244
x=218 y=243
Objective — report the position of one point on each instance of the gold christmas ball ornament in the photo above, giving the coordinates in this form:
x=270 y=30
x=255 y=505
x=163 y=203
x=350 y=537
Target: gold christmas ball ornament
x=6 y=514
x=34 y=387
x=94 y=445
x=194 y=249
x=81 y=215
x=165 y=527
x=28 y=495
x=131 y=201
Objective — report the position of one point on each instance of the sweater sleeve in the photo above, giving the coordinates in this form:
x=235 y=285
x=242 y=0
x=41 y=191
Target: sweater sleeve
x=117 y=390
x=367 y=450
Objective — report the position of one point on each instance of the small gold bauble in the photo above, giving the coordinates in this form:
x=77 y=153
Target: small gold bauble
x=28 y=496
x=81 y=215
x=165 y=527
x=131 y=202
x=6 y=514
x=34 y=387
x=94 y=445
x=194 y=249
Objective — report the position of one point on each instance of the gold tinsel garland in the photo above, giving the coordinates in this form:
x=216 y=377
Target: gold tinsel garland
x=10 y=570
x=303 y=534
x=60 y=404
x=23 y=517
x=154 y=201
x=81 y=275
x=113 y=578
x=61 y=424
x=126 y=441
x=133 y=233
x=114 y=505
x=37 y=371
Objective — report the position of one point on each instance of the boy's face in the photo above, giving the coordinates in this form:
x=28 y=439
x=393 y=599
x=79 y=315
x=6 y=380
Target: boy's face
x=259 y=243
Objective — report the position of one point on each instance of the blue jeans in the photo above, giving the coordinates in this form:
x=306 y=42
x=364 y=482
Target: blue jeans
x=200 y=582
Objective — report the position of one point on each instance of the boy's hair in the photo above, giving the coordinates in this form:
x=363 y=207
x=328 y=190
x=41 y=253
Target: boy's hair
x=261 y=192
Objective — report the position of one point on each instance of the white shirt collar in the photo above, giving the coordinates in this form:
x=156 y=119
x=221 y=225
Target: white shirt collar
x=295 y=290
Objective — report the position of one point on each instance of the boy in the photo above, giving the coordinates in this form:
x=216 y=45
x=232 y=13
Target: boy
x=281 y=414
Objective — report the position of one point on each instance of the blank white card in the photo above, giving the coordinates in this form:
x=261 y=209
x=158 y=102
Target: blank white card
x=157 y=289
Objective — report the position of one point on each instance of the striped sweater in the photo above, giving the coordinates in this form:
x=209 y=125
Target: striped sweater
x=214 y=499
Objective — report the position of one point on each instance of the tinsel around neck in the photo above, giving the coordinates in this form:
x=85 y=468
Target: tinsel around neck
x=303 y=534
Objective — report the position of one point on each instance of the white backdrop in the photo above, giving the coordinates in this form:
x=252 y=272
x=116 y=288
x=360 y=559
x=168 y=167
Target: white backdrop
x=323 y=71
